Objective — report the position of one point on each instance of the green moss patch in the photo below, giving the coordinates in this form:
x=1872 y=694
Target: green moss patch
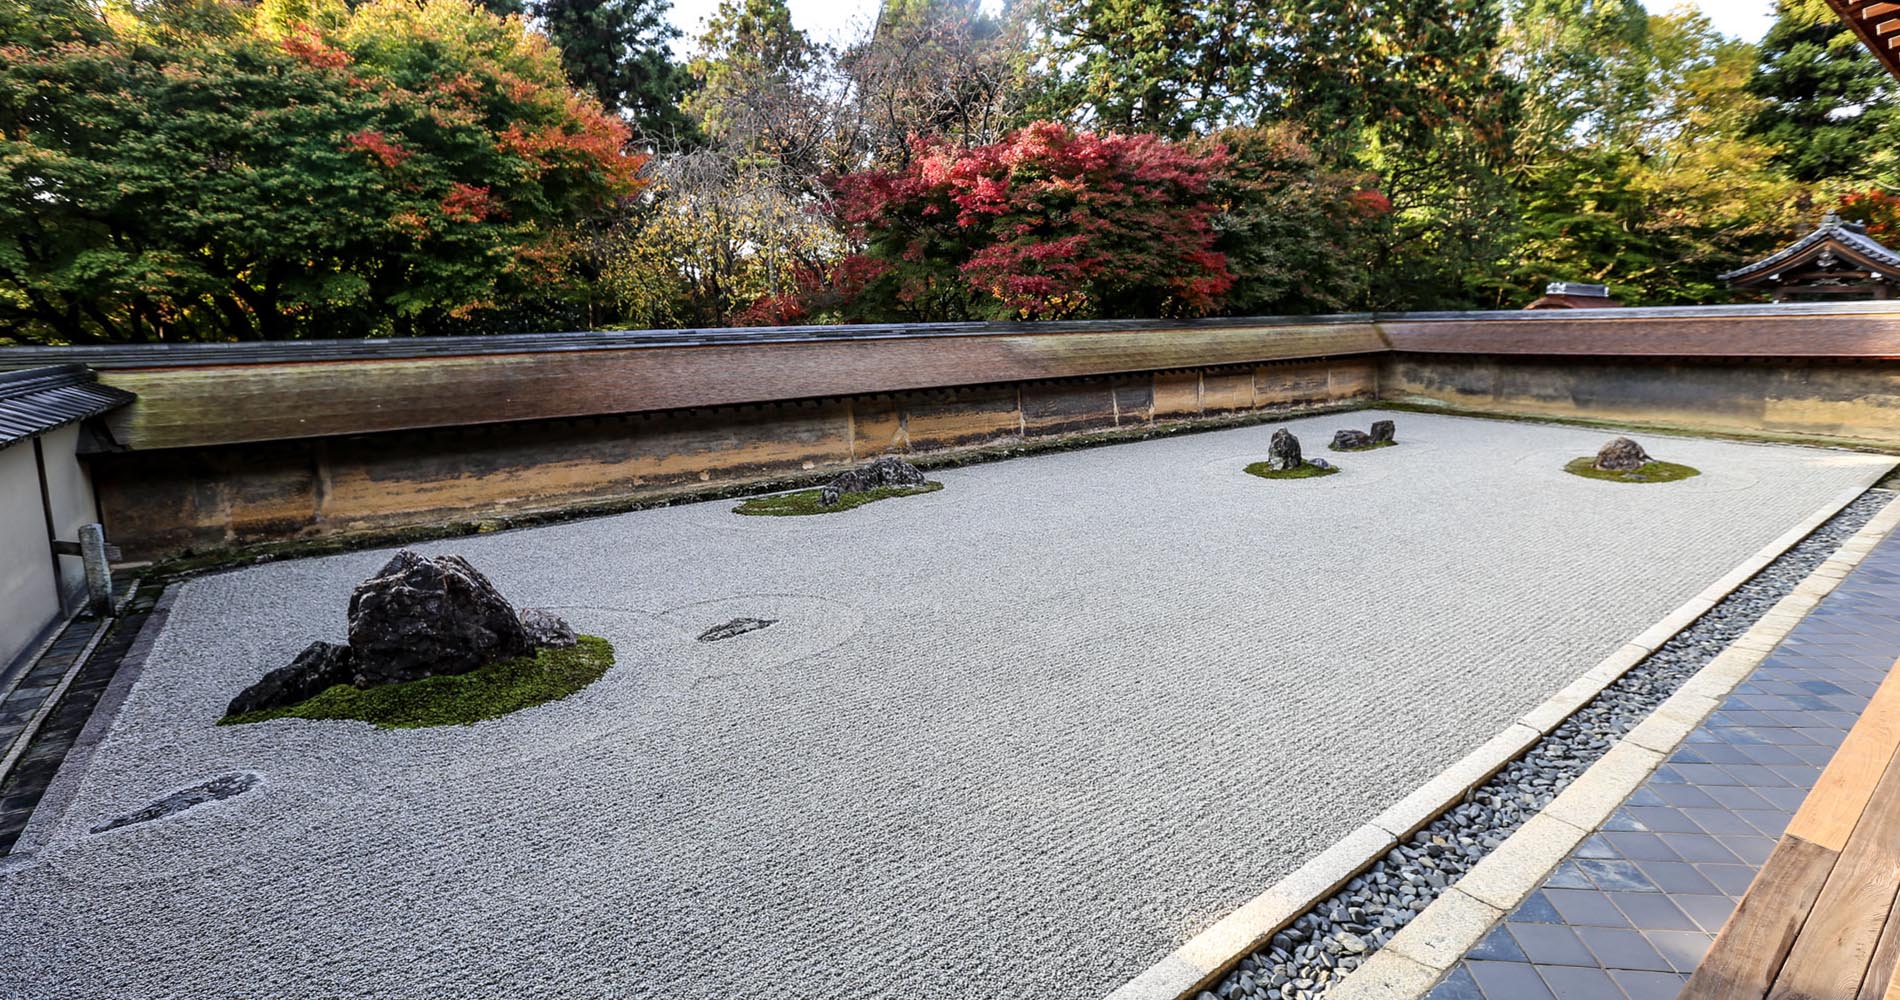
x=1375 y=446
x=1651 y=472
x=456 y=699
x=1302 y=472
x=806 y=501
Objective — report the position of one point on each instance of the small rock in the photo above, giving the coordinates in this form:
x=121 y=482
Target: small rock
x=1383 y=432
x=1621 y=455
x=322 y=665
x=1350 y=440
x=1319 y=463
x=737 y=626
x=546 y=629
x=1283 y=452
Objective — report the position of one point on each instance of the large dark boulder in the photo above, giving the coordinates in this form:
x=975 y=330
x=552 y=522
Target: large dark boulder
x=320 y=666
x=887 y=471
x=421 y=617
x=1621 y=455
x=547 y=629
x=1283 y=452
x=1352 y=441
x=1383 y=432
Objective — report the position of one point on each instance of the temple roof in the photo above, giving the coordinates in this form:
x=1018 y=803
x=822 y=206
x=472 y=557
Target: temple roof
x=38 y=400
x=1844 y=239
x=1877 y=23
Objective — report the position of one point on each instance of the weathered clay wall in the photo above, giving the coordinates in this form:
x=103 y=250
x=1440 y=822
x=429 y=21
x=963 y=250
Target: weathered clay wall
x=1846 y=402
x=170 y=501
x=238 y=444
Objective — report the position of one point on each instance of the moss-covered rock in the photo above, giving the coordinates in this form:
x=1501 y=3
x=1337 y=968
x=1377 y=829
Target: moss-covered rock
x=806 y=502
x=1649 y=472
x=486 y=692
x=1265 y=470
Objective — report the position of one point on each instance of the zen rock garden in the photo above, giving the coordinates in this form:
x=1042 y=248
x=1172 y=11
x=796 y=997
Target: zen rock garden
x=785 y=742
x=882 y=479
x=419 y=620
x=1622 y=460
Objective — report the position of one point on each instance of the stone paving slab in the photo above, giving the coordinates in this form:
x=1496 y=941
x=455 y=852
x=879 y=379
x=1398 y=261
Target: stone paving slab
x=1021 y=737
x=1630 y=912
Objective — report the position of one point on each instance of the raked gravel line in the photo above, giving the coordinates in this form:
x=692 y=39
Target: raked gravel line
x=1019 y=737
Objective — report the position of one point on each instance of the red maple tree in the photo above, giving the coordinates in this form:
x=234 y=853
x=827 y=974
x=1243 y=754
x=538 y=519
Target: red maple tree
x=1049 y=223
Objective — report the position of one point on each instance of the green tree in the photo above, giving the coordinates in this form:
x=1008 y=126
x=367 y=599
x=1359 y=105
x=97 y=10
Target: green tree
x=1152 y=65
x=1584 y=70
x=1833 y=110
x=1674 y=193
x=617 y=51
x=420 y=165
x=1298 y=236
x=1406 y=68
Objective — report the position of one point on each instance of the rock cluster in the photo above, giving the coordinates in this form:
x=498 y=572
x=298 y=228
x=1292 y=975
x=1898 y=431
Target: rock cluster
x=1621 y=455
x=1306 y=959
x=417 y=617
x=1352 y=440
x=1283 y=452
x=887 y=471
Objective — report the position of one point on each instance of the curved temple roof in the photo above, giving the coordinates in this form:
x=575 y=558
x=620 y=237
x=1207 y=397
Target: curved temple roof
x=38 y=400
x=1877 y=23
x=1833 y=233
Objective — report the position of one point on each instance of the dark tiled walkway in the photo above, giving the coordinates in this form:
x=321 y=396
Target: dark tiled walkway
x=23 y=699
x=1633 y=909
x=25 y=784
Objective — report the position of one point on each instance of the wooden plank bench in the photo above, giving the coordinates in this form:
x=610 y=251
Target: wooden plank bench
x=1820 y=921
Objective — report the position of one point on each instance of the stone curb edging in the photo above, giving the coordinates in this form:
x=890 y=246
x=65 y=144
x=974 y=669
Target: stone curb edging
x=1514 y=868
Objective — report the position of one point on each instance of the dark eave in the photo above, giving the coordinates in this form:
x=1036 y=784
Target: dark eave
x=1878 y=25
x=37 y=400
x=1846 y=241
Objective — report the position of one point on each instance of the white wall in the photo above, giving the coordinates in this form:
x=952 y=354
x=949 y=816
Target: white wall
x=27 y=599
x=73 y=505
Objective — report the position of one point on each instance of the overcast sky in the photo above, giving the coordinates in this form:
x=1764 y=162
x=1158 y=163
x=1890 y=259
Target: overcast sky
x=827 y=19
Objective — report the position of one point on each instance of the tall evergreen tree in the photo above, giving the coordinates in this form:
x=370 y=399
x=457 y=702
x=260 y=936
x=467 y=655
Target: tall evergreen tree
x=617 y=51
x=1834 y=111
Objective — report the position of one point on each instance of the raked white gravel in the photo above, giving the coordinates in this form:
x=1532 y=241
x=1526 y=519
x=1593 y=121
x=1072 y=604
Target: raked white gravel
x=1018 y=738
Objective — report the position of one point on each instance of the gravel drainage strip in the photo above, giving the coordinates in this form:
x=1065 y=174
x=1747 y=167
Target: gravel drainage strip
x=1312 y=954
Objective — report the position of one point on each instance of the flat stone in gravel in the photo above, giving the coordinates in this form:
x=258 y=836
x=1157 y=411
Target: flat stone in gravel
x=1088 y=703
